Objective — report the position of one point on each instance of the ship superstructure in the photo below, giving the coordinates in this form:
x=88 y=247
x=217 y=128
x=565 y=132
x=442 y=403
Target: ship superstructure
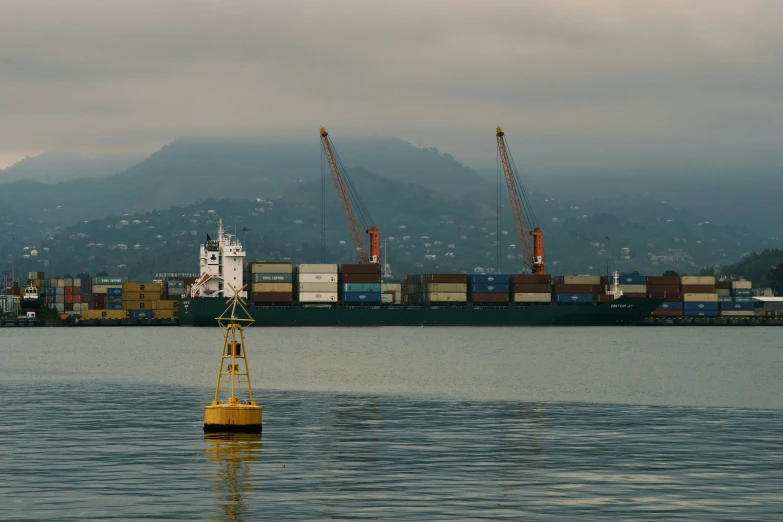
x=221 y=262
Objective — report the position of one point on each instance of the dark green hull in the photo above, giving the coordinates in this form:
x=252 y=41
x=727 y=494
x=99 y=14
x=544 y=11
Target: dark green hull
x=624 y=311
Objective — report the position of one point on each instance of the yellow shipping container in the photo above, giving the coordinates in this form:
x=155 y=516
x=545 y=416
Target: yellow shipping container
x=742 y=284
x=277 y=287
x=737 y=313
x=167 y=305
x=724 y=292
x=446 y=287
x=446 y=297
x=149 y=288
x=532 y=298
x=104 y=314
x=165 y=314
x=582 y=280
x=271 y=268
x=698 y=280
x=700 y=298
x=140 y=296
x=138 y=305
x=633 y=289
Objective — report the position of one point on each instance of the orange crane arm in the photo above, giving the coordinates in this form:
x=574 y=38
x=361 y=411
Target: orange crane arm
x=532 y=250
x=345 y=201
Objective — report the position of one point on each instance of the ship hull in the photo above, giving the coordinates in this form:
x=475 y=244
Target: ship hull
x=621 y=312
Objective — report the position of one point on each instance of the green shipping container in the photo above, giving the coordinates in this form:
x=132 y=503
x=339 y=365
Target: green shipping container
x=361 y=287
x=272 y=278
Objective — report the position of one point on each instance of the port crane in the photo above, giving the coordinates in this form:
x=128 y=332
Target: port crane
x=532 y=249
x=349 y=198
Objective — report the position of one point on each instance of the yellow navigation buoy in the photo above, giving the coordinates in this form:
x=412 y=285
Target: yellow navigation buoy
x=232 y=413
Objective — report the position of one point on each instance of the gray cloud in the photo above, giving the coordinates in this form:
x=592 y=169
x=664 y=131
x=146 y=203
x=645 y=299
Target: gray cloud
x=579 y=85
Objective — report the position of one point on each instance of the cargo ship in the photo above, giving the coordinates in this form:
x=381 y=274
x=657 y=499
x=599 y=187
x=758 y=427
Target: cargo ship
x=281 y=294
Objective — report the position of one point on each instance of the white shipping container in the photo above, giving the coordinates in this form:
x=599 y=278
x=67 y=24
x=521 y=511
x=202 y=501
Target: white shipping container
x=742 y=284
x=317 y=278
x=317 y=269
x=447 y=297
x=60 y=307
x=101 y=289
x=700 y=298
x=318 y=297
x=698 y=280
x=271 y=268
x=317 y=287
x=532 y=298
x=387 y=298
x=446 y=287
x=737 y=313
x=77 y=283
x=61 y=283
x=391 y=287
x=273 y=287
x=60 y=291
x=582 y=280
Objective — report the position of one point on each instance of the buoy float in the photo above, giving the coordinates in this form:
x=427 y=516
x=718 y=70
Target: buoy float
x=233 y=413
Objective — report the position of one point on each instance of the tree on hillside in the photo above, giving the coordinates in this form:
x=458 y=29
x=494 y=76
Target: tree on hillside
x=671 y=273
x=776 y=279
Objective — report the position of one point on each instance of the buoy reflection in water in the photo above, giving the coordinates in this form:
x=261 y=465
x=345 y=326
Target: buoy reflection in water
x=232 y=455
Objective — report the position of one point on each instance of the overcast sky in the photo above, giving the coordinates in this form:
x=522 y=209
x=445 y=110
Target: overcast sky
x=625 y=86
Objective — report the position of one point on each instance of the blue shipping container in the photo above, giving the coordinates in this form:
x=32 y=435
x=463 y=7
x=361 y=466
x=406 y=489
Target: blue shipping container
x=627 y=279
x=670 y=306
x=114 y=292
x=141 y=314
x=700 y=313
x=700 y=306
x=272 y=278
x=489 y=288
x=362 y=297
x=373 y=288
x=574 y=298
x=737 y=306
x=490 y=278
x=114 y=306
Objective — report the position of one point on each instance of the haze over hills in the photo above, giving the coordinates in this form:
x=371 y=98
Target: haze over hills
x=55 y=167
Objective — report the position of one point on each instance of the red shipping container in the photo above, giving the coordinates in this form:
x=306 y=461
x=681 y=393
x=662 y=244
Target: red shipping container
x=273 y=297
x=69 y=299
x=68 y=290
x=487 y=297
x=673 y=298
x=360 y=269
x=663 y=280
x=444 y=278
x=531 y=279
x=68 y=307
x=634 y=294
x=698 y=289
x=360 y=278
x=84 y=298
x=723 y=285
x=604 y=298
x=663 y=288
x=525 y=288
x=666 y=313
x=578 y=289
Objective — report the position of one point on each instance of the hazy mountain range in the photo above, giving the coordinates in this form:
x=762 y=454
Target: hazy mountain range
x=441 y=214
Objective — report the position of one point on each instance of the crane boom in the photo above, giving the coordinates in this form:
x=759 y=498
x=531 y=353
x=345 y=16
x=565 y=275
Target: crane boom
x=532 y=250
x=346 y=192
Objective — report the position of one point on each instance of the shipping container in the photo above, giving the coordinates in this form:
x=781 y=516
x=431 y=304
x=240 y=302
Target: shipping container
x=318 y=278
x=136 y=296
x=115 y=292
x=631 y=289
x=99 y=301
x=666 y=313
x=361 y=287
x=723 y=292
x=360 y=278
x=324 y=287
x=167 y=305
x=697 y=280
x=141 y=314
x=271 y=268
x=740 y=299
x=165 y=314
x=737 y=313
x=531 y=288
x=103 y=289
x=663 y=280
x=274 y=287
x=635 y=294
x=723 y=285
x=114 y=306
x=104 y=314
x=387 y=298
x=445 y=287
x=443 y=278
x=698 y=289
x=149 y=288
x=478 y=288
x=670 y=306
x=175 y=283
x=725 y=299
x=60 y=307
x=699 y=306
x=138 y=305
x=742 y=284
x=108 y=280
x=68 y=290
x=447 y=297
x=703 y=298
x=490 y=297
x=273 y=297
x=578 y=289
x=582 y=280
x=742 y=292
x=737 y=306
x=318 y=269
x=272 y=278
x=630 y=279
x=318 y=297
x=673 y=297
x=387 y=287
x=574 y=298
x=373 y=268
x=604 y=298
x=362 y=297
x=490 y=279
x=531 y=279
x=700 y=313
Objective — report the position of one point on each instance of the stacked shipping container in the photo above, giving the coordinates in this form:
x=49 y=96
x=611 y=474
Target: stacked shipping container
x=531 y=288
x=272 y=283
x=489 y=288
x=317 y=283
x=437 y=288
x=360 y=283
x=578 y=289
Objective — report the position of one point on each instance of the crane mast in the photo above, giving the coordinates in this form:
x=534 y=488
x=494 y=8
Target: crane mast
x=347 y=193
x=532 y=249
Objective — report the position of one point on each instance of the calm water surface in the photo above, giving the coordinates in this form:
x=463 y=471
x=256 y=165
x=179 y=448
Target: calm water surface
x=396 y=423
